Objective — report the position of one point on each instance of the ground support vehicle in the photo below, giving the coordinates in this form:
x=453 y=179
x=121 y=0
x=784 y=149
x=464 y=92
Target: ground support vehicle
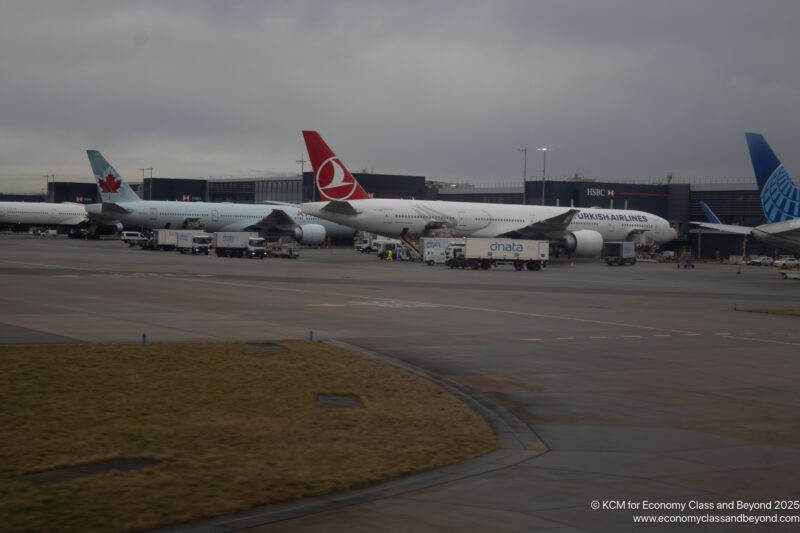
x=790 y=270
x=399 y=250
x=239 y=244
x=484 y=253
x=194 y=243
x=284 y=247
x=256 y=248
x=167 y=239
x=434 y=249
x=365 y=244
x=783 y=259
x=132 y=238
x=619 y=253
x=763 y=260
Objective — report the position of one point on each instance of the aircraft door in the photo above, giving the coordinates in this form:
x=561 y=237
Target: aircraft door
x=153 y=213
x=214 y=215
x=387 y=216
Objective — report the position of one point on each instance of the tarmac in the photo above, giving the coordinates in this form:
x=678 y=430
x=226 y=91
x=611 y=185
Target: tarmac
x=641 y=390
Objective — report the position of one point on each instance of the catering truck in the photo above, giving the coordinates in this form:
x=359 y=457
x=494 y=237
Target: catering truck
x=240 y=244
x=167 y=239
x=192 y=242
x=484 y=253
x=619 y=253
x=433 y=249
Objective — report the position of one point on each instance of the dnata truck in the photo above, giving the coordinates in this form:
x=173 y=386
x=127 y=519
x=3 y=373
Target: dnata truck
x=484 y=253
x=619 y=253
x=192 y=242
x=434 y=249
x=240 y=244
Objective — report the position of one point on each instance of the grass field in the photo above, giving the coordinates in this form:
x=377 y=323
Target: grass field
x=234 y=427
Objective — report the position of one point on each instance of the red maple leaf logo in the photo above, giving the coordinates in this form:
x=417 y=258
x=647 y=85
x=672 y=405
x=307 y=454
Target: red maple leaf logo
x=110 y=184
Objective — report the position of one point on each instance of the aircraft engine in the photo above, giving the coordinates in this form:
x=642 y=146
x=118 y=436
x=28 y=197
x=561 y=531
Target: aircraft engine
x=310 y=234
x=584 y=243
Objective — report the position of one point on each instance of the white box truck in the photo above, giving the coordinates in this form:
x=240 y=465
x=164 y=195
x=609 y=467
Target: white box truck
x=433 y=249
x=240 y=244
x=190 y=241
x=484 y=253
x=619 y=253
x=167 y=239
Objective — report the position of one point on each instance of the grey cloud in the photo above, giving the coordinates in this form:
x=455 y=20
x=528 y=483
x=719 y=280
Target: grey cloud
x=620 y=88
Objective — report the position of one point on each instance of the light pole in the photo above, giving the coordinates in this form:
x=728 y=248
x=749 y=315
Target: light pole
x=524 y=171
x=544 y=150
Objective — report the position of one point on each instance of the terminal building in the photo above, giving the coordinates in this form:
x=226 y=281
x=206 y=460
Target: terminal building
x=734 y=200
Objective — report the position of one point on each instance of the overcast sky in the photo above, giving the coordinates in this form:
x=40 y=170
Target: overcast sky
x=451 y=90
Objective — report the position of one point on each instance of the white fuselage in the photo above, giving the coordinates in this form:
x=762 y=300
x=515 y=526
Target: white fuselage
x=42 y=214
x=414 y=217
x=212 y=216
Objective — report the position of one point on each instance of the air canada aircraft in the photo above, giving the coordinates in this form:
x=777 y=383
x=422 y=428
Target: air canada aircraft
x=780 y=199
x=121 y=206
x=578 y=232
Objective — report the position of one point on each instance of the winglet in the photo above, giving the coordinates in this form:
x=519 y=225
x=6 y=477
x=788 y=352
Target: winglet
x=709 y=213
x=780 y=196
x=110 y=184
x=333 y=180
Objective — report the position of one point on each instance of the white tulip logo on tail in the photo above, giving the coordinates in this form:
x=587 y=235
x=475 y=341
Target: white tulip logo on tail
x=334 y=181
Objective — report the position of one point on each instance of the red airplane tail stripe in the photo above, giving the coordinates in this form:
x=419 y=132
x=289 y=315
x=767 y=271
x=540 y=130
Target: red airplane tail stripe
x=322 y=156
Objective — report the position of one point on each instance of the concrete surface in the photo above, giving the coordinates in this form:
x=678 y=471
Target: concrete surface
x=643 y=382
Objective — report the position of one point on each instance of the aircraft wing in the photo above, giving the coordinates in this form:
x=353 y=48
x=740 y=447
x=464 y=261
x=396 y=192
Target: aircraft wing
x=111 y=208
x=548 y=228
x=724 y=228
x=276 y=219
x=554 y=224
x=342 y=207
x=787 y=229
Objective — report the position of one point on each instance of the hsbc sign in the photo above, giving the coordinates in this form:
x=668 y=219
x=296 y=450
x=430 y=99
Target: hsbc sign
x=601 y=192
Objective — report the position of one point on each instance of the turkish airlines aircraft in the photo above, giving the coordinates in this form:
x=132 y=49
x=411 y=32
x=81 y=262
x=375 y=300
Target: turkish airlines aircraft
x=579 y=232
x=780 y=200
x=42 y=214
x=123 y=207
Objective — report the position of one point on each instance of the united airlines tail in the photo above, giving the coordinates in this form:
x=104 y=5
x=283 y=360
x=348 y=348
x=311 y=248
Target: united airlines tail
x=333 y=180
x=110 y=184
x=780 y=197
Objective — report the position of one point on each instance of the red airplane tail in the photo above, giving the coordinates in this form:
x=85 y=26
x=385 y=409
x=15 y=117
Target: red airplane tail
x=333 y=180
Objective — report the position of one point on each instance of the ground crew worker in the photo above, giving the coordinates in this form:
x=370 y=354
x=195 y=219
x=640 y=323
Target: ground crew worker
x=389 y=255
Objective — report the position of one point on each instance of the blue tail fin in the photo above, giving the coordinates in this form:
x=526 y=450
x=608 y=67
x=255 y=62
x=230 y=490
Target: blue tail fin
x=709 y=213
x=110 y=184
x=780 y=197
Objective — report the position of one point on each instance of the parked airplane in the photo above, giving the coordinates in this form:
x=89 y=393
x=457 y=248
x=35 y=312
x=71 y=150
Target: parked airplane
x=575 y=231
x=780 y=199
x=42 y=214
x=121 y=206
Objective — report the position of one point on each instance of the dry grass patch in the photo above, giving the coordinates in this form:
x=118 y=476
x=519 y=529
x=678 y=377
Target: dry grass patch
x=234 y=426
